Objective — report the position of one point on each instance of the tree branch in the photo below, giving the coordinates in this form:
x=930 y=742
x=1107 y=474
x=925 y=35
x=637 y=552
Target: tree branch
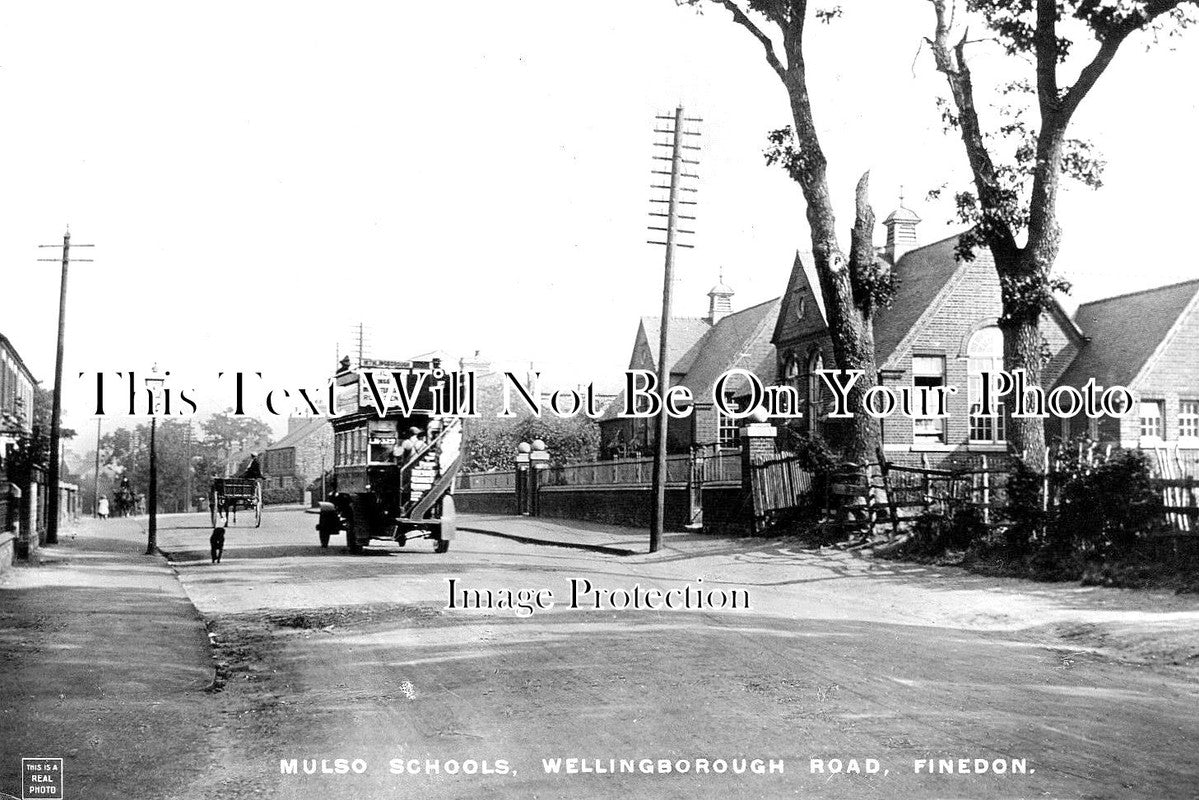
x=861 y=251
x=1045 y=45
x=1109 y=44
x=744 y=21
x=951 y=61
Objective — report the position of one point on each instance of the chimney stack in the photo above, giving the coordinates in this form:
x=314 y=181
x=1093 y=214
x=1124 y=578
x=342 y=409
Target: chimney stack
x=901 y=231
x=720 y=301
x=477 y=364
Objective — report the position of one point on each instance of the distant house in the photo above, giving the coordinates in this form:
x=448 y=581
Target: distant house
x=297 y=459
x=699 y=350
x=1147 y=341
x=16 y=396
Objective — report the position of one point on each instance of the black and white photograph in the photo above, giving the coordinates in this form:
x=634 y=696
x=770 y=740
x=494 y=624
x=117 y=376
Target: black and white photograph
x=641 y=399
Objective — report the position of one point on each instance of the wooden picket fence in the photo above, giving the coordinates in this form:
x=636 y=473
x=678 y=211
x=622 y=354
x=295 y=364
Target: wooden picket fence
x=777 y=486
x=912 y=491
x=1175 y=476
x=854 y=499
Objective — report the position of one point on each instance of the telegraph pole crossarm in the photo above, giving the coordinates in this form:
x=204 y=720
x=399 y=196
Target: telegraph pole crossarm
x=56 y=408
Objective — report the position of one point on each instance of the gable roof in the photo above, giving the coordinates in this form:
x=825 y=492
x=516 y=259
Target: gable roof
x=301 y=433
x=803 y=276
x=1124 y=332
x=682 y=336
x=921 y=275
x=740 y=340
x=12 y=351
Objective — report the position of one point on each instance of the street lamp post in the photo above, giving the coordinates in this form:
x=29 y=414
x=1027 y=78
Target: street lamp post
x=96 y=477
x=324 y=496
x=154 y=383
x=187 y=489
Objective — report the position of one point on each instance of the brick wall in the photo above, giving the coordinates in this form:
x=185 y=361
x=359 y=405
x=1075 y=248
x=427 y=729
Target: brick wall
x=723 y=507
x=614 y=506
x=288 y=474
x=1172 y=377
x=308 y=453
x=485 y=502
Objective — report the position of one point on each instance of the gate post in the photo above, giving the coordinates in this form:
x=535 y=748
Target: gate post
x=695 y=488
x=522 y=478
x=757 y=445
x=10 y=520
x=539 y=462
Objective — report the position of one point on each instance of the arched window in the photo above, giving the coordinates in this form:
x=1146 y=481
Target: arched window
x=791 y=371
x=984 y=353
x=815 y=388
x=792 y=378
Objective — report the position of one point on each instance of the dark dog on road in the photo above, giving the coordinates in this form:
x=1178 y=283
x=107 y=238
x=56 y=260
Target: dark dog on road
x=216 y=543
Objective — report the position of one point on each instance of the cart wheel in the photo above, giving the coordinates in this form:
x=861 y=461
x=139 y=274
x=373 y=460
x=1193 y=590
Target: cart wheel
x=213 y=507
x=257 y=505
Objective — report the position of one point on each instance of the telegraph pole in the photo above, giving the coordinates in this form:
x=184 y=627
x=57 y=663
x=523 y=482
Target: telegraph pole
x=56 y=408
x=673 y=128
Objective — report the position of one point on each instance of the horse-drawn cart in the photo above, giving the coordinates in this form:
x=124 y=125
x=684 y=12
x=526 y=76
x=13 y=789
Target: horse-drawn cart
x=230 y=495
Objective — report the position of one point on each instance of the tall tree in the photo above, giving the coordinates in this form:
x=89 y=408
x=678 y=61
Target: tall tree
x=230 y=433
x=33 y=448
x=1017 y=168
x=852 y=283
x=184 y=463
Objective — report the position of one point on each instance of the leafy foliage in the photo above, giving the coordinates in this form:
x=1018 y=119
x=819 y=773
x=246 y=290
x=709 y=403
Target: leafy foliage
x=874 y=286
x=787 y=152
x=1096 y=508
x=1100 y=509
x=490 y=442
x=230 y=433
x=33 y=447
x=186 y=461
x=1029 y=144
x=956 y=527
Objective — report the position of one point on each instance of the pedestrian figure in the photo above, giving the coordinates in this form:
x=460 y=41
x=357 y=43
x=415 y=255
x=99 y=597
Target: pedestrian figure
x=254 y=469
x=102 y=508
x=408 y=446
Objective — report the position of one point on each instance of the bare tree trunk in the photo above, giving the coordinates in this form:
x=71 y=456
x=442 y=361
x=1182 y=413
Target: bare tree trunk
x=1026 y=297
x=852 y=335
x=849 y=310
x=1022 y=349
x=849 y=324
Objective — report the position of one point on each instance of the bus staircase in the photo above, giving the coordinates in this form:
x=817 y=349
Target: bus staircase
x=428 y=475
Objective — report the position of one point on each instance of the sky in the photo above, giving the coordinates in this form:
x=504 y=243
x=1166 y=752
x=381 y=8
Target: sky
x=258 y=178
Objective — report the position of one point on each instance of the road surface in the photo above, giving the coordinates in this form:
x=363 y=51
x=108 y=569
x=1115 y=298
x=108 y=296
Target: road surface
x=839 y=662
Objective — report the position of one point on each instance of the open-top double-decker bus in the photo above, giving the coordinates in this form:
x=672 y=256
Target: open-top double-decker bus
x=393 y=472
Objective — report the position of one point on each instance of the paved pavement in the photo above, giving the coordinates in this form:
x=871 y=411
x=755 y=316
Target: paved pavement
x=599 y=538
x=105 y=664
x=324 y=656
